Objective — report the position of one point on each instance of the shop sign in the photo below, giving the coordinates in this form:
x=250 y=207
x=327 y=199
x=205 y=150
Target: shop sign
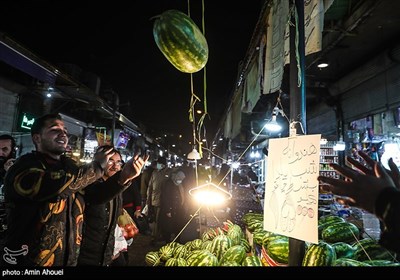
x=27 y=121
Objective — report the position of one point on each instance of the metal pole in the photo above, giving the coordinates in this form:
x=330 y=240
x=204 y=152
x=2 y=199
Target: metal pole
x=297 y=105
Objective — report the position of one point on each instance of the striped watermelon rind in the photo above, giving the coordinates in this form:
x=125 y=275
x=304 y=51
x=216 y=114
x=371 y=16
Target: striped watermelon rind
x=181 y=41
x=321 y=254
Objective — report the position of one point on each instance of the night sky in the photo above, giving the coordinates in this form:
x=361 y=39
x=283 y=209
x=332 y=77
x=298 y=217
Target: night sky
x=114 y=40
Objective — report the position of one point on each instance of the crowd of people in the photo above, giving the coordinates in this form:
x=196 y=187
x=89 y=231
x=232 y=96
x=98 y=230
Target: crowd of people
x=60 y=213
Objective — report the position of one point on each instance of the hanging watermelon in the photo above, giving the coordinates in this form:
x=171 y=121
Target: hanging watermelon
x=181 y=41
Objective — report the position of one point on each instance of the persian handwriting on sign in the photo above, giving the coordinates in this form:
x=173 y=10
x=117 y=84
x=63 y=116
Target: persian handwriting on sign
x=294 y=155
x=291 y=191
x=311 y=169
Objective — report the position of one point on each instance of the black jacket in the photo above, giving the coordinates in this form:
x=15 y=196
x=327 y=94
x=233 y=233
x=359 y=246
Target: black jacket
x=44 y=210
x=100 y=219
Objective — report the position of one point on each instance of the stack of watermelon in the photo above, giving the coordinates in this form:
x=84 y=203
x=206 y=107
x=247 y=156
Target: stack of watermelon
x=219 y=246
x=339 y=245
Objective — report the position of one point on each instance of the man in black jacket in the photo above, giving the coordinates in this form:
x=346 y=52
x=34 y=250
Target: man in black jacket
x=42 y=198
x=43 y=209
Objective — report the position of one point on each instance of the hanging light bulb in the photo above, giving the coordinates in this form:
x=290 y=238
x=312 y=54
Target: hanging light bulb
x=210 y=194
x=193 y=155
x=273 y=125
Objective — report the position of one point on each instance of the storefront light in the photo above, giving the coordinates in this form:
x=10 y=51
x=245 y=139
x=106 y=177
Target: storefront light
x=339 y=146
x=323 y=65
x=391 y=151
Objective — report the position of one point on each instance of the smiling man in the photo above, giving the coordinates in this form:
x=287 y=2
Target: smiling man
x=44 y=208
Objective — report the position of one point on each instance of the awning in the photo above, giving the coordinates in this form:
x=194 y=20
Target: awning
x=17 y=59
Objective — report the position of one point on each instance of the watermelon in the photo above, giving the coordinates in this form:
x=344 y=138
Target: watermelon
x=152 y=258
x=321 y=254
x=180 y=252
x=252 y=261
x=235 y=233
x=181 y=41
x=369 y=249
x=229 y=263
x=381 y=263
x=202 y=258
x=235 y=253
x=227 y=225
x=278 y=250
x=259 y=236
x=166 y=252
x=196 y=244
x=340 y=232
x=343 y=250
x=329 y=219
x=271 y=237
x=220 y=245
x=246 y=245
x=348 y=262
x=175 y=262
x=208 y=235
x=251 y=215
x=255 y=225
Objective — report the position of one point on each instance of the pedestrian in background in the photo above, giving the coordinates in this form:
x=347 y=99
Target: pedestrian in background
x=7 y=158
x=7 y=154
x=157 y=180
x=172 y=212
x=145 y=179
